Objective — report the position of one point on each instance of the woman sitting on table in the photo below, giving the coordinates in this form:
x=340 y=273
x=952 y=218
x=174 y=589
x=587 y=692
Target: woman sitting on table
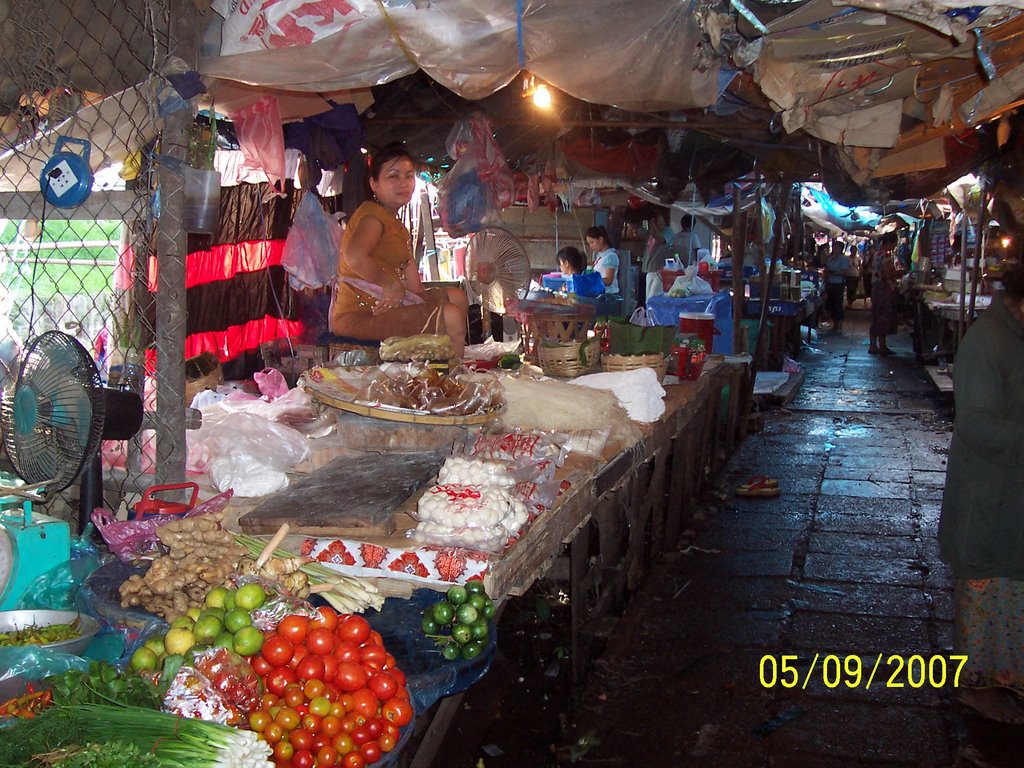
x=379 y=293
x=606 y=258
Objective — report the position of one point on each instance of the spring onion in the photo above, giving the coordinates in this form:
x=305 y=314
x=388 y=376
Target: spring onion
x=177 y=742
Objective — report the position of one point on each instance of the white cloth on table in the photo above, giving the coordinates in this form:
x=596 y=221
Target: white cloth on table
x=638 y=391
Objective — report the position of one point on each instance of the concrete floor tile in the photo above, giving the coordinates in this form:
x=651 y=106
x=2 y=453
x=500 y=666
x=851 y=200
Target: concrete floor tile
x=920 y=477
x=847 y=458
x=878 y=525
x=858 y=634
x=827 y=566
x=841 y=471
x=868 y=599
x=761 y=538
x=861 y=545
x=729 y=519
x=865 y=489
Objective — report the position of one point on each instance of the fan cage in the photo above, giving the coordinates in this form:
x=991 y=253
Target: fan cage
x=497 y=267
x=59 y=380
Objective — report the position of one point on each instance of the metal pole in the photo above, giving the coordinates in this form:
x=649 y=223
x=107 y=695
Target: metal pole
x=739 y=228
x=980 y=254
x=963 y=265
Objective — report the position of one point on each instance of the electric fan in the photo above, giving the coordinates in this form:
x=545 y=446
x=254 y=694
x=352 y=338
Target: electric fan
x=497 y=267
x=53 y=421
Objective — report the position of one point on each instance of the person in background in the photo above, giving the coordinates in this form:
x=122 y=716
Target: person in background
x=852 y=276
x=378 y=293
x=685 y=243
x=981 y=527
x=867 y=270
x=657 y=250
x=836 y=267
x=571 y=261
x=606 y=258
x=883 y=306
x=903 y=254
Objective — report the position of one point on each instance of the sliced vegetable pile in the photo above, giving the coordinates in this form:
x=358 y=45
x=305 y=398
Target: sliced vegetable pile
x=36 y=635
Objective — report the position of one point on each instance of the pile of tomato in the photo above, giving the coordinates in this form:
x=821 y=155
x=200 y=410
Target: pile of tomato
x=333 y=693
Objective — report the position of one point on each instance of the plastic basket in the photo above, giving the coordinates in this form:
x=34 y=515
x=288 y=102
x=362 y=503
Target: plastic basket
x=569 y=360
x=631 y=362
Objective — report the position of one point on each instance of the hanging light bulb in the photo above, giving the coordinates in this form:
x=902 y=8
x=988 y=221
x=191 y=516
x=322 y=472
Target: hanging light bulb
x=542 y=97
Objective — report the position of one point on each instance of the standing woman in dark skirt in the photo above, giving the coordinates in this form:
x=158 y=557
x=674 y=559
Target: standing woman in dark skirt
x=883 y=306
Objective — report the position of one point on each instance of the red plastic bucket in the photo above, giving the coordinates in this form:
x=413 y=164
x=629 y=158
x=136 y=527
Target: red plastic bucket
x=700 y=323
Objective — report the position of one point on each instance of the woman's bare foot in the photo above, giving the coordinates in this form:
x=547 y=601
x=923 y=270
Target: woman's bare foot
x=999 y=704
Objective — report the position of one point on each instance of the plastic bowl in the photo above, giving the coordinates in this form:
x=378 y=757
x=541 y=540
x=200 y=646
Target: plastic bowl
x=14 y=620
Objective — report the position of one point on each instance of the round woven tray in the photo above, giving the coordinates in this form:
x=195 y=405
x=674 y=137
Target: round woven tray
x=210 y=380
x=631 y=362
x=387 y=413
x=570 y=359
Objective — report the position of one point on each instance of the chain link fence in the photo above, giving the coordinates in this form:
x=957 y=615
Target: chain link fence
x=81 y=93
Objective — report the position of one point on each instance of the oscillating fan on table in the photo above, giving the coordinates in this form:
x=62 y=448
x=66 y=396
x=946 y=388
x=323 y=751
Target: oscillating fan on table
x=497 y=267
x=53 y=421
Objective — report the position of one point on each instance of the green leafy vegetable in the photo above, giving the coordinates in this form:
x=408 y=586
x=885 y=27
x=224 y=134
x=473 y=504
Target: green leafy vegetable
x=104 y=684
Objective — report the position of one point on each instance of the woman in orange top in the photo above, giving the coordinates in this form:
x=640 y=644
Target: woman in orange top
x=379 y=293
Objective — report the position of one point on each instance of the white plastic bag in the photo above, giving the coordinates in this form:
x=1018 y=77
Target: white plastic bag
x=643 y=318
x=690 y=284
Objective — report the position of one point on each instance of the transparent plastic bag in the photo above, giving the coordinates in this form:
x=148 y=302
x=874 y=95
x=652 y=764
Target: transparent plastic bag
x=220 y=686
x=310 y=254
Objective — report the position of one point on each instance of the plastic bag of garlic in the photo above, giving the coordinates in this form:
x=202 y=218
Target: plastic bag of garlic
x=471 y=516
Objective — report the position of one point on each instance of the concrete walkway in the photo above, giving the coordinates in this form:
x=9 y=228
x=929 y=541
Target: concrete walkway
x=836 y=581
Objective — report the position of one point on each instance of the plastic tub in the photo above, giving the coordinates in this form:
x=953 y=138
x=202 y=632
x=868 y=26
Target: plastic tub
x=700 y=323
x=202 y=200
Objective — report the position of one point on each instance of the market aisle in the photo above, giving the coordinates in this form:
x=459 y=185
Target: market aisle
x=844 y=562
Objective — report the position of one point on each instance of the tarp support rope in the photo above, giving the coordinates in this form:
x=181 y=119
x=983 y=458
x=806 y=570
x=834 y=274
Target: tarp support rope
x=519 y=33
x=394 y=33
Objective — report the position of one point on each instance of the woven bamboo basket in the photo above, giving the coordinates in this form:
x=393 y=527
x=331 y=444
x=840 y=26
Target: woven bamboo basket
x=561 y=328
x=571 y=359
x=631 y=362
x=211 y=374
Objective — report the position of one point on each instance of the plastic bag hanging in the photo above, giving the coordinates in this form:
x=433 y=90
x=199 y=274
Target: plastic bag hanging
x=479 y=184
x=261 y=137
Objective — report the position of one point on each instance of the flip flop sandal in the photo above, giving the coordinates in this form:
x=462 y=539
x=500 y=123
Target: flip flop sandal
x=759 y=486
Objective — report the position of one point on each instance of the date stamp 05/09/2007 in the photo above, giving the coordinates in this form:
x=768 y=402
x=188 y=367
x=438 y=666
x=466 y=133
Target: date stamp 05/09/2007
x=853 y=671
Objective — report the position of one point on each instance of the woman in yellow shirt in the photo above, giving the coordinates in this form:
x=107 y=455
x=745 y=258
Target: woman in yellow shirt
x=379 y=293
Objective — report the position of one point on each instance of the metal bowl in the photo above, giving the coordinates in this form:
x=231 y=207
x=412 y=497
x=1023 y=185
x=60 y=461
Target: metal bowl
x=14 y=620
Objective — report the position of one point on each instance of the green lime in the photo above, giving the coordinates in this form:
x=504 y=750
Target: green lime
x=218 y=612
x=457 y=595
x=444 y=612
x=466 y=613
x=156 y=645
x=490 y=610
x=143 y=658
x=178 y=640
x=475 y=587
x=207 y=628
x=429 y=624
x=229 y=600
x=248 y=641
x=451 y=651
x=182 y=622
x=250 y=597
x=216 y=596
x=235 y=619
x=478 y=630
x=224 y=640
x=478 y=601
x=472 y=649
x=462 y=634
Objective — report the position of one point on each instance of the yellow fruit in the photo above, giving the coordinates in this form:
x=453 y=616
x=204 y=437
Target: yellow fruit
x=182 y=622
x=215 y=597
x=178 y=640
x=193 y=613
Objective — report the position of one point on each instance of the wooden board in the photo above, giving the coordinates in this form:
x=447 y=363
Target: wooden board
x=350 y=496
x=941 y=378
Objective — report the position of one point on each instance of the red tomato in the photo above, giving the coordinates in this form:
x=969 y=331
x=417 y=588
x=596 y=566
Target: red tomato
x=313 y=688
x=350 y=677
x=302 y=758
x=370 y=750
x=311 y=667
x=321 y=641
x=330 y=725
x=294 y=696
x=353 y=760
x=397 y=710
x=328 y=618
x=301 y=738
x=364 y=702
x=390 y=663
x=330 y=667
x=294 y=628
x=300 y=653
x=269 y=700
x=280 y=679
x=361 y=735
x=399 y=676
x=374 y=656
x=288 y=718
x=326 y=755
x=383 y=685
x=375 y=727
x=331 y=691
x=260 y=665
x=319 y=742
x=312 y=722
x=277 y=651
x=346 y=701
x=273 y=733
x=375 y=638
x=346 y=651
x=354 y=629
